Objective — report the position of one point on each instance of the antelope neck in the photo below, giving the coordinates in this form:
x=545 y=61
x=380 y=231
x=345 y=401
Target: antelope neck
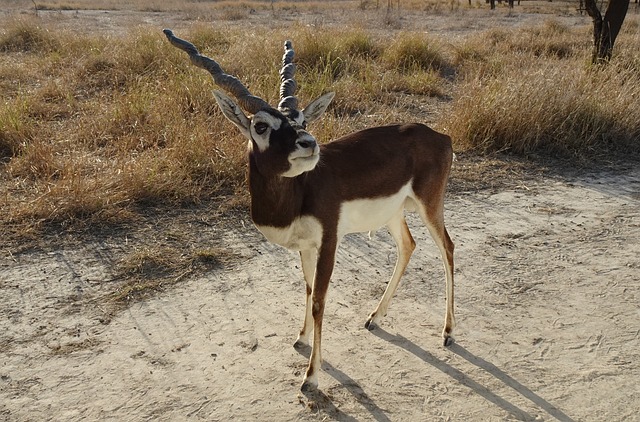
x=275 y=201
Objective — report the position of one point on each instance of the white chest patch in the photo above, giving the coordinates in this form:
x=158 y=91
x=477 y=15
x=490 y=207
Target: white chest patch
x=364 y=215
x=303 y=234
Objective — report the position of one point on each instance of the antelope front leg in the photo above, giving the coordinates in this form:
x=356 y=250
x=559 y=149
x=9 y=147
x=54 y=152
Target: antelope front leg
x=309 y=260
x=324 y=268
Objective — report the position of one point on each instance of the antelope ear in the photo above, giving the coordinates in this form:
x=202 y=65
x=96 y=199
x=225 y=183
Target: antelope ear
x=233 y=112
x=317 y=107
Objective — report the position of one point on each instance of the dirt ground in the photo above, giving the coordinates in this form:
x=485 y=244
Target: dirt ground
x=548 y=269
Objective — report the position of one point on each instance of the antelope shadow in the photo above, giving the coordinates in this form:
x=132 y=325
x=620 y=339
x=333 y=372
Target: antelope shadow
x=324 y=402
x=478 y=388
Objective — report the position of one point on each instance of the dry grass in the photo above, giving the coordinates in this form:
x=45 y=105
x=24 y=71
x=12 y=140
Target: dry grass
x=105 y=126
x=94 y=129
x=152 y=269
x=532 y=90
x=550 y=108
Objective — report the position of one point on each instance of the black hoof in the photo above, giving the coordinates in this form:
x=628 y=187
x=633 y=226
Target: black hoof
x=370 y=325
x=308 y=387
x=302 y=348
x=448 y=341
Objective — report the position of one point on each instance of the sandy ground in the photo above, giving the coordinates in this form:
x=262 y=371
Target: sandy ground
x=547 y=304
x=547 y=307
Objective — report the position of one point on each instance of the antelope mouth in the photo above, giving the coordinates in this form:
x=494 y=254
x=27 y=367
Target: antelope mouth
x=302 y=163
x=312 y=154
x=306 y=155
x=303 y=158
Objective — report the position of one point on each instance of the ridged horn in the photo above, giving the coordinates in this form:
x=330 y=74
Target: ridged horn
x=288 y=86
x=229 y=83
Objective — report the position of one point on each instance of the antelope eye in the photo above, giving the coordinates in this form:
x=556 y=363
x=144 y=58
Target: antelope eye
x=261 y=128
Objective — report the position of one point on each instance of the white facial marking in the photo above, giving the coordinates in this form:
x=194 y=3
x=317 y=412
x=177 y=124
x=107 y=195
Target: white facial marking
x=262 y=139
x=303 y=234
x=299 y=119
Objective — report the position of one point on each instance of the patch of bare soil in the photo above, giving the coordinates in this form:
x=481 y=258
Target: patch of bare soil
x=547 y=308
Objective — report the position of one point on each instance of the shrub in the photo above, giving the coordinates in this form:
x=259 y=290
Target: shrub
x=411 y=51
x=27 y=36
x=560 y=110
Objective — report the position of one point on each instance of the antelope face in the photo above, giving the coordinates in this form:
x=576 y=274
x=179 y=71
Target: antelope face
x=284 y=147
x=278 y=141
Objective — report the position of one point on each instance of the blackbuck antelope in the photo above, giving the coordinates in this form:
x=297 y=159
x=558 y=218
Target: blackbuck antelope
x=306 y=196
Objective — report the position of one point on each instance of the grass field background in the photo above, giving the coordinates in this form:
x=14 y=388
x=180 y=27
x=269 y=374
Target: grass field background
x=96 y=128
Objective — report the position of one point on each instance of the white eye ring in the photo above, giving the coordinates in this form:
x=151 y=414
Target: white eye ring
x=261 y=128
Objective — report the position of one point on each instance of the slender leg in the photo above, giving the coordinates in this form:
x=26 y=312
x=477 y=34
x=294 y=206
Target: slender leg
x=309 y=261
x=405 y=246
x=324 y=268
x=449 y=321
x=435 y=224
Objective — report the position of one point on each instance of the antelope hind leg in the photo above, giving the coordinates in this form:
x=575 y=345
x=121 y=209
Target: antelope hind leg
x=405 y=246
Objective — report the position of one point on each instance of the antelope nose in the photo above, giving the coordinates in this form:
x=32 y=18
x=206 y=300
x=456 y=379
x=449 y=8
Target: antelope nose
x=307 y=143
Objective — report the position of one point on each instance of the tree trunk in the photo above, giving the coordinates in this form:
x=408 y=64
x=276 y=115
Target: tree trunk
x=605 y=31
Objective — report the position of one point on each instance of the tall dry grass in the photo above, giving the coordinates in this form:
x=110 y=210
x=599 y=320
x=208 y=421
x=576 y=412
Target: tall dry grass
x=551 y=108
x=93 y=128
x=533 y=90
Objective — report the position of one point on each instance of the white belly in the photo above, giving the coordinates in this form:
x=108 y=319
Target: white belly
x=303 y=234
x=364 y=215
x=357 y=216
